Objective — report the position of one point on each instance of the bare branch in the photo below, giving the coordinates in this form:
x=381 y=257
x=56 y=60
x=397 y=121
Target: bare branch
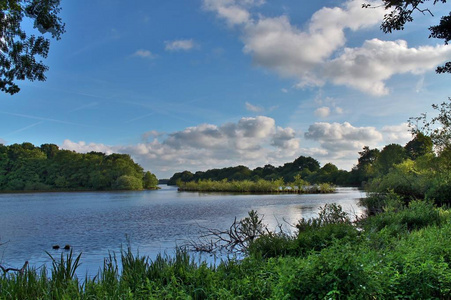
x=21 y=271
x=236 y=239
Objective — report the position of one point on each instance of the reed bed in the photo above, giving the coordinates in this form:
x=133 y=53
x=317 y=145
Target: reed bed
x=260 y=186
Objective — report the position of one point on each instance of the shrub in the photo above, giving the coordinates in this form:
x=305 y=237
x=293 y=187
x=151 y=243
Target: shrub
x=418 y=214
x=440 y=190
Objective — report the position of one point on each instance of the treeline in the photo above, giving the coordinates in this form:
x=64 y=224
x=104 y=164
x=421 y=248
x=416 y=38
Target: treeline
x=372 y=163
x=25 y=167
x=307 y=167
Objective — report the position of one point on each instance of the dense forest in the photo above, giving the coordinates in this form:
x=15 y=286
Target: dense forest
x=25 y=167
x=372 y=163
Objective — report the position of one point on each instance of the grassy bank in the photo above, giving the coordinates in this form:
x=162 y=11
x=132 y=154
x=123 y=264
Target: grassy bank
x=403 y=252
x=259 y=187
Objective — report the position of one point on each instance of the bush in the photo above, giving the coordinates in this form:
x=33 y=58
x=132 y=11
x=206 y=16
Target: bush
x=376 y=203
x=440 y=191
x=417 y=215
x=332 y=224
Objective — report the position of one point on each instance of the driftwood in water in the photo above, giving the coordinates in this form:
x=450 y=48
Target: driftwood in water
x=6 y=270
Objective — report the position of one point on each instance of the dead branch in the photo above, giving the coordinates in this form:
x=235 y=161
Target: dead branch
x=236 y=239
x=21 y=271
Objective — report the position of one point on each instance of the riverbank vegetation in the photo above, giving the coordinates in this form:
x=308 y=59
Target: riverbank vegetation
x=25 y=167
x=298 y=186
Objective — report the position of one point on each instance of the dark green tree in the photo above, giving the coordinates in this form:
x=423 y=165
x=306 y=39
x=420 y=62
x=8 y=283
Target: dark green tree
x=50 y=150
x=20 y=52
x=329 y=168
x=302 y=162
x=365 y=167
x=389 y=156
x=150 y=181
x=418 y=146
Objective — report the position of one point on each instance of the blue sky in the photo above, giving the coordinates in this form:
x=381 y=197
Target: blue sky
x=199 y=84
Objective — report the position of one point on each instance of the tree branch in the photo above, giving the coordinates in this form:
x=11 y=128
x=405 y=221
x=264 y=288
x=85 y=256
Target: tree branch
x=21 y=271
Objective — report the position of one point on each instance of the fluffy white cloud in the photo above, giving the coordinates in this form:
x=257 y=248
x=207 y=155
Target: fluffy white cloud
x=144 y=54
x=310 y=54
x=322 y=112
x=2 y=141
x=285 y=139
x=253 y=108
x=178 y=45
x=276 y=44
x=234 y=12
x=367 y=68
x=343 y=139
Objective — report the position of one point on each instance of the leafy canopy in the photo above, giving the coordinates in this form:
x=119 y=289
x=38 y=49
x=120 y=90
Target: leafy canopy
x=19 y=50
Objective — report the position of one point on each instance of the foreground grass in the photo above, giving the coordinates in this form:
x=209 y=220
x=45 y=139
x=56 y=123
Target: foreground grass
x=259 y=186
x=403 y=252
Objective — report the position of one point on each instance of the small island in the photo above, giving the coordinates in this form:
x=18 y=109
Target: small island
x=260 y=186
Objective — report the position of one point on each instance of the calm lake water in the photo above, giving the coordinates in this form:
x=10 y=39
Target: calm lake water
x=95 y=223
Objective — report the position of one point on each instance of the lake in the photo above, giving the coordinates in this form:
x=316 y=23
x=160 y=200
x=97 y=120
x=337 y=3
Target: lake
x=95 y=223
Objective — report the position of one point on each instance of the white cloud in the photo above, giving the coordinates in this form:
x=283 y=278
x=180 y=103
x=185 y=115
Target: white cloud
x=367 y=68
x=342 y=140
x=144 y=54
x=285 y=139
x=234 y=12
x=398 y=134
x=180 y=45
x=253 y=108
x=2 y=141
x=276 y=44
x=322 y=112
x=83 y=147
x=151 y=134
x=310 y=54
